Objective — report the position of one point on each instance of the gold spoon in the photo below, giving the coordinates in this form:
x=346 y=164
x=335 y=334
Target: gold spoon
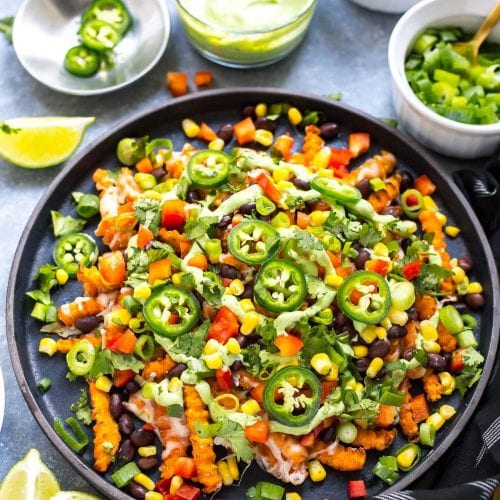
x=470 y=49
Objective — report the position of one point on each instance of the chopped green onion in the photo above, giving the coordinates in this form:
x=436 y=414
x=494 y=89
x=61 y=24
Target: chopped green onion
x=392 y=398
x=402 y=295
x=466 y=339
x=268 y=491
x=125 y=475
x=377 y=184
x=44 y=384
x=264 y=206
x=469 y=321
x=88 y=206
x=427 y=434
x=76 y=444
x=39 y=311
x=80 y=358
x=144 y=347
x=451 y=319
x=408 y=456
x=346 y=432
x=133 y=306
x=387 y=469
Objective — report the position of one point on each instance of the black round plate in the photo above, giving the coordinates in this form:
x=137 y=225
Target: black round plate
x=215 y=108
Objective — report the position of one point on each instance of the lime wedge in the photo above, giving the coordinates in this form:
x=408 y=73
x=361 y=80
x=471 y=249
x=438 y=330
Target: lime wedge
x=43 y=141
x=29 y=479
x=73 y=495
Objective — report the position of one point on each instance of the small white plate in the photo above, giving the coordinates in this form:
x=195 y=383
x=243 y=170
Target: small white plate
x=389 y=6
x=44 y=30
x=2 y=398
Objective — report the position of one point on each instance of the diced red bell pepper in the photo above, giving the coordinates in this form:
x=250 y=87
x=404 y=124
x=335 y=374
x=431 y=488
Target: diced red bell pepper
x=225 y=326
x=258 y=432
x=269 y=187
x=412 y=200
x=340 y=172
x=340 y=157
x=356 y=489
x=359 y=143
x=244 y=131
x=424 y=185
x=412 y=270
x=163 y=486
x=123 y=343
x=177 y=83
x=144 y=236
x=173 y=215
x=289 y=345
x=185 y=467
x=122 y=377
x=112 y=267
x=457 y=362
x=378 y=266
x=283 y=146
x=187 y=492
x=203 y=78
x=224 y=379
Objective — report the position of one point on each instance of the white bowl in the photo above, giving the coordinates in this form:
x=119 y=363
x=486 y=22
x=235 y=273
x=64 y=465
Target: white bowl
x=389 y=6
x=434 y=131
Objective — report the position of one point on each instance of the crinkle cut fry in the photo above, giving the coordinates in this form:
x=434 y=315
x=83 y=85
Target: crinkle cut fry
x=375 y=439
x=203 y=452
x=432 y=386
x=342 y=458
x=406 y=420
x=157 y=369
x=105 y=429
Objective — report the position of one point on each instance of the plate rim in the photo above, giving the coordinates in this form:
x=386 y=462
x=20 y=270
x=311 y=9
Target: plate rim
x=104 y=90
x=252 y=93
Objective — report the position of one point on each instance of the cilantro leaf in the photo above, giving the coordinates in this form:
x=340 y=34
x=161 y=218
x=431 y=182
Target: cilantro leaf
x=307 y=242
x=102 y=364
x=65 y=224
x=369 y=235
x=126 y=362
x=268 y=333
x=429 y=279
x=182 y=188
x=251 y=359
x=81 y=408
x=311 y=117
x=6 y=27
x=7 y=129
x=148 y=211
x=198 y=226
x=46 y=276
x=191 y=343
x=213 y=289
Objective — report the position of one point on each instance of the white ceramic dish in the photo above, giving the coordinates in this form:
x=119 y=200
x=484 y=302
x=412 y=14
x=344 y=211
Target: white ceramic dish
x=389 y=6
x=44 y=30
x=2 y=399
x=445 y=136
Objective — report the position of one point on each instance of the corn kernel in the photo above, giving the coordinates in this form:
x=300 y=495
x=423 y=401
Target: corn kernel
x=428 y=330
x=321 y=159
x=213 y=361
x=452 y=231
x=386 y=323
x=232 y=346
x=475 y=287
x=369 y=334
x=294 y=116
x=237 y=287
x=263 y=137
x=216 y=144
x=190 y=128
x=176 y=279
x=120 y=317
x=174 y=384
x=447 y=411
x=145 y=481
x=147 y=451
x=142 y=291
x=293 y=495
x=247 y=305
x=103 y=383
x=233 y=467
x=223 y=469
x=153 y=195
x=318 y=217
x=407 y=457
x=250 y=407
x=334 y=280
x=284 y=185
x=153 y=495
x=211 y=347
x=261 y=109
x=458 y=275
x=359 y=388
x=62 y=276
x=441 y=218
x=360 y=351
x=431 y=346
x=429 y=203
x=351 y=383
x=159 y=159
x=321 y=363
x=448 y=382
x=281 y=174
x=316 y=471
x=175 y=484
x=374 y=367
x=333 y=374
x=396 y=317
x=249 y=323
x=380 y=249
x=436 y=420
x=47 y=346
x=381 y=332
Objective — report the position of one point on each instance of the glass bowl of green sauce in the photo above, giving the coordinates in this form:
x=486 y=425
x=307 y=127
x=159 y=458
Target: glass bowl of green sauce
x=245 y=33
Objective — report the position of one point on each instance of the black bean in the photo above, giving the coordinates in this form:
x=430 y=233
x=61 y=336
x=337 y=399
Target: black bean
x=362 y=364
x=115 y=404
x=241 y=339
x=126 y=451
x=396 y=332
x=412 y=314
x=247 y=208
x=328 y=435
x=447 y=357
x=132 y=387
x=341 y=320
x=379 y=348
x=237 y=366
x=265 y=218
x=436 y=362
x=263 y=123
x=224 y=222
x=248 y=293
x=248 y=111
x=229 y=272
x=192 y=196
x=408 y=354
x=396 y=211
x=225 y=132
x=142 y=437
x=159 y=173
x=349 y=328
x=177 y=370
x=460 y=307
x=301 y=184
x=406 y=180
x=87 y=323
x=137 y=491
x=405 y=244
x=364 y=187
x=363 y=256
x=465 y=263
x=126 y=424
x=147 y=463
x=328 y=130
x=475 y=301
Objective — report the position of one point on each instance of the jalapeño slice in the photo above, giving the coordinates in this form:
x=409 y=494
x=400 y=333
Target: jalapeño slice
x=112 y=12
x=337 y=189
x=171 y=311
x=98 y=35
x=208 y=169
x=364 y=296
x=280 y=286
x=253 y=241
x=75 y=250
x=292 y=396
x=82 y=61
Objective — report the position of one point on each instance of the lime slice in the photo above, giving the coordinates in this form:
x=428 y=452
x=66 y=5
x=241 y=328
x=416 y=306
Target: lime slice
x=29 y=479
x=73 y=495
x=43 y=141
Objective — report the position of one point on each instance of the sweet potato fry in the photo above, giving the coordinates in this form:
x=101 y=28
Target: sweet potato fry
x=341 y=457
x=375 y=439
